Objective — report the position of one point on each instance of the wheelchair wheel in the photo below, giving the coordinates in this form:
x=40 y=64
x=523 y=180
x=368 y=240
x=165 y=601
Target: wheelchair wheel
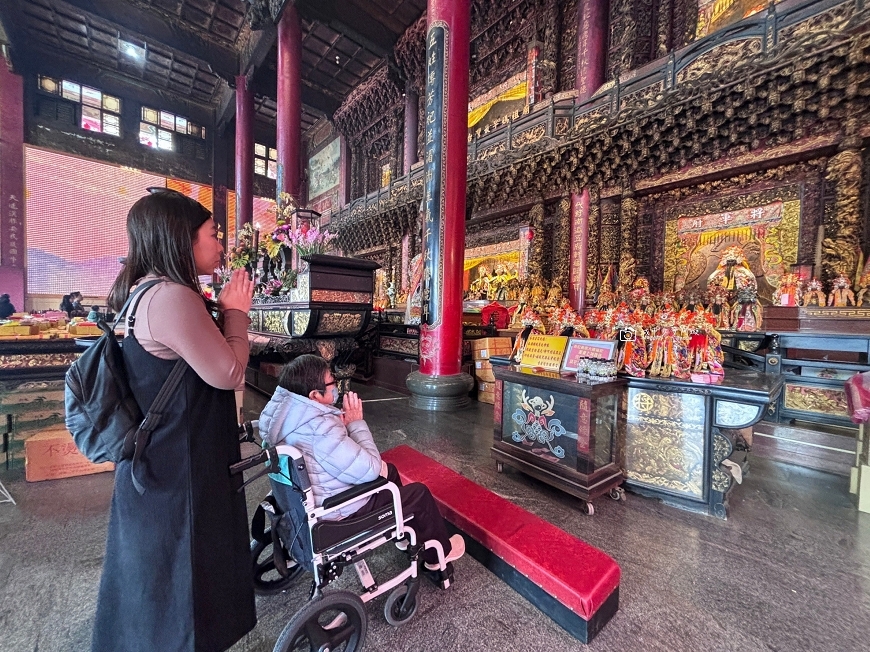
x=393 y=611
x=267 y=579
x=336 y=622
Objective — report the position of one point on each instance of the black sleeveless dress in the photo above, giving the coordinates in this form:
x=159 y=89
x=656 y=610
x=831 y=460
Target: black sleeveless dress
x=177 y=572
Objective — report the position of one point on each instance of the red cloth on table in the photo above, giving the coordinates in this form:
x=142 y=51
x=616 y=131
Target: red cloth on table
x=502 y=316
x=858 y=397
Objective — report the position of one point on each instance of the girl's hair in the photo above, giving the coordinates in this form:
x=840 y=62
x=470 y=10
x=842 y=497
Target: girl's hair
x=161 y=229
x=304 y=374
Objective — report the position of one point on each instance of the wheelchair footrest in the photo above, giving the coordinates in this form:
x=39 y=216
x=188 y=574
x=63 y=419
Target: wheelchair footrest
x=440 y=578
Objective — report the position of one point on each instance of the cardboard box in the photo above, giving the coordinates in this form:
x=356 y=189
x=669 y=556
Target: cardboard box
x=485 y=347
x=486 y=397
x=485 y=387
x=483 y=371
x=52 y=454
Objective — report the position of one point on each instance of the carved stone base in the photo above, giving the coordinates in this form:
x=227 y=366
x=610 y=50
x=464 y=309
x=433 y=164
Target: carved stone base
x=439 y=393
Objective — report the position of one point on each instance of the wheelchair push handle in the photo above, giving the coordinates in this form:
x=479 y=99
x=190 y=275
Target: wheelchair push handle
x=266 y=455
x=246 y=431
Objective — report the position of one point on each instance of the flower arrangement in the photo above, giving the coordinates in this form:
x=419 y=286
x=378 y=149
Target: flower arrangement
x=308 y=241
x=243 y=254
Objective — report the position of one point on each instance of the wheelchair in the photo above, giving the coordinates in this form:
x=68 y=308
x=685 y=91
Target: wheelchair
x=300 y=539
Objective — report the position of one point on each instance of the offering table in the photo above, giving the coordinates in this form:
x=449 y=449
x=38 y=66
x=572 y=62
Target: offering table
x=558 y=430
x=678 y=434
x=664 y=438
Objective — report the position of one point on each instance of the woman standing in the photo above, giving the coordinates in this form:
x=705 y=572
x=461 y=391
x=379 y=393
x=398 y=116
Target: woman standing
x=177 y=571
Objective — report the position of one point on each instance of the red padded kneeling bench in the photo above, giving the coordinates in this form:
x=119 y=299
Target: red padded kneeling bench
x=572 y=582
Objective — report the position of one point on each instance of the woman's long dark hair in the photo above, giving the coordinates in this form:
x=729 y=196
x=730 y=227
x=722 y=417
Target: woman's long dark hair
x=161 y=229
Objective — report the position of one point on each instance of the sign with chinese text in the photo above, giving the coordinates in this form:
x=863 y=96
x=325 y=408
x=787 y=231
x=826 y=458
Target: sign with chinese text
x=433 y=180
x=579 y=348
x=544 y=351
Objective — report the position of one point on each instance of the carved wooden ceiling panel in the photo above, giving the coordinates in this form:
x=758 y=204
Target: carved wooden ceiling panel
x=222 y=19
x=266 y=110
x=61 y=28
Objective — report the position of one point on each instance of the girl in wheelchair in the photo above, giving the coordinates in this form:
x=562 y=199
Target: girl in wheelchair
x=340 y=452
x=333 y=501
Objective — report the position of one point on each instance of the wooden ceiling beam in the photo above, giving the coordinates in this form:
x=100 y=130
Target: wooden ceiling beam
x=366 y=31
x=223 y=61
x=265 y=82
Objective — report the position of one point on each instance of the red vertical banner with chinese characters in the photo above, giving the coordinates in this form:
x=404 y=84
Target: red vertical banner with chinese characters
x=12 y=253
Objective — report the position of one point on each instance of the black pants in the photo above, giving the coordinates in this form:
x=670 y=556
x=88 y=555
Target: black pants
x=416 y=500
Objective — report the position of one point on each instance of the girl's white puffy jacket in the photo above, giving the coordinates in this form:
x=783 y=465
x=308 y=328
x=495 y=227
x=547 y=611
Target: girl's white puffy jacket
x=337 y=457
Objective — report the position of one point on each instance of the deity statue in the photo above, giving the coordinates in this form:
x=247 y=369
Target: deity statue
x=536 y=297
x=814 y=294
x=391 y=294
x=733 y=271
x=479 y=287
x=554 y=295
x=841 y=293
x=499 y=284
x=719 y=307
x=746 y=311
x=789 y=291
x=606 y=298
x=413 y=308
x=520 y=308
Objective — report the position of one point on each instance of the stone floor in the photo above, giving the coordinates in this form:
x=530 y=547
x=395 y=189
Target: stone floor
x=789 y=570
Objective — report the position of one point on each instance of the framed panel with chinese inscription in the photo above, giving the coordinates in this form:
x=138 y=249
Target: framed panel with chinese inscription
x=544 y=351
x=579 y=348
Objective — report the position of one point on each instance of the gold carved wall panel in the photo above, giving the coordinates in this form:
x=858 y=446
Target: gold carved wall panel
x=665 y=440
x=820 y=400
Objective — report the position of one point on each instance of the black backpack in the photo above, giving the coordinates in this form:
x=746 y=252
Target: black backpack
x=101 y=412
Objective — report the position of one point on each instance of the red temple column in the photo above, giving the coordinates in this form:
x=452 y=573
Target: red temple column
x=439 y=384
x=244 y=153
x=12 y=245
x=592 y=18
x=411 y=127
x=289 y=118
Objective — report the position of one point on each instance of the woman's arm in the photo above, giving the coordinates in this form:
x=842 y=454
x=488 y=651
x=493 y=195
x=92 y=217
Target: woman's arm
x=177 y=321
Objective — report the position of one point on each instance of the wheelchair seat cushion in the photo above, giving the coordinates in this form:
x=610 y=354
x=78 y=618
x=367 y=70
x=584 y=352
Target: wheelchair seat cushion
x=353 y=529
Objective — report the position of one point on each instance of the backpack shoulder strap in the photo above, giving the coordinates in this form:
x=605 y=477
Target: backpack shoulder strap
x=133 y=300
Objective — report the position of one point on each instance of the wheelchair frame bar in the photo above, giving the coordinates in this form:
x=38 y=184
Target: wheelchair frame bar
x=315 y=514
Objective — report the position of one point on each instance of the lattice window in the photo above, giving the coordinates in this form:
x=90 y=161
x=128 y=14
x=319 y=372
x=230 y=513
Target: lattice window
x=265 y=161
x=97 y=111
x=157 y=129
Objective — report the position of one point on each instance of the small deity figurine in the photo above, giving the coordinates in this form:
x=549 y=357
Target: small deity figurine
x=733 y=271
x=536 y=296
x=746 y=312
x=532 y=323
x=391 y=294
x=789 y=292
x=719 y=308
x=606 y=298
x=554 y=295
x=841 y=293
x=814 y=295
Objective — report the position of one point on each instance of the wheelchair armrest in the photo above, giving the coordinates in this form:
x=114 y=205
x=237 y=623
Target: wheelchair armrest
x=349 y=494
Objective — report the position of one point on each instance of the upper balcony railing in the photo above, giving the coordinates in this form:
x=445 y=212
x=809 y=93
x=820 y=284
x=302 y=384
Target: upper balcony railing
x=555 y=118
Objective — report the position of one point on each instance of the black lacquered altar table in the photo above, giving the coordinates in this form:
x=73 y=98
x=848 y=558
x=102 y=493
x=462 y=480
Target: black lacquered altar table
x=561 y=431
x=678 y=433
x=665 y=438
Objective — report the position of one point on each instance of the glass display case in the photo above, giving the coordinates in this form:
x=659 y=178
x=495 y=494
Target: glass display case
x=560 y=431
